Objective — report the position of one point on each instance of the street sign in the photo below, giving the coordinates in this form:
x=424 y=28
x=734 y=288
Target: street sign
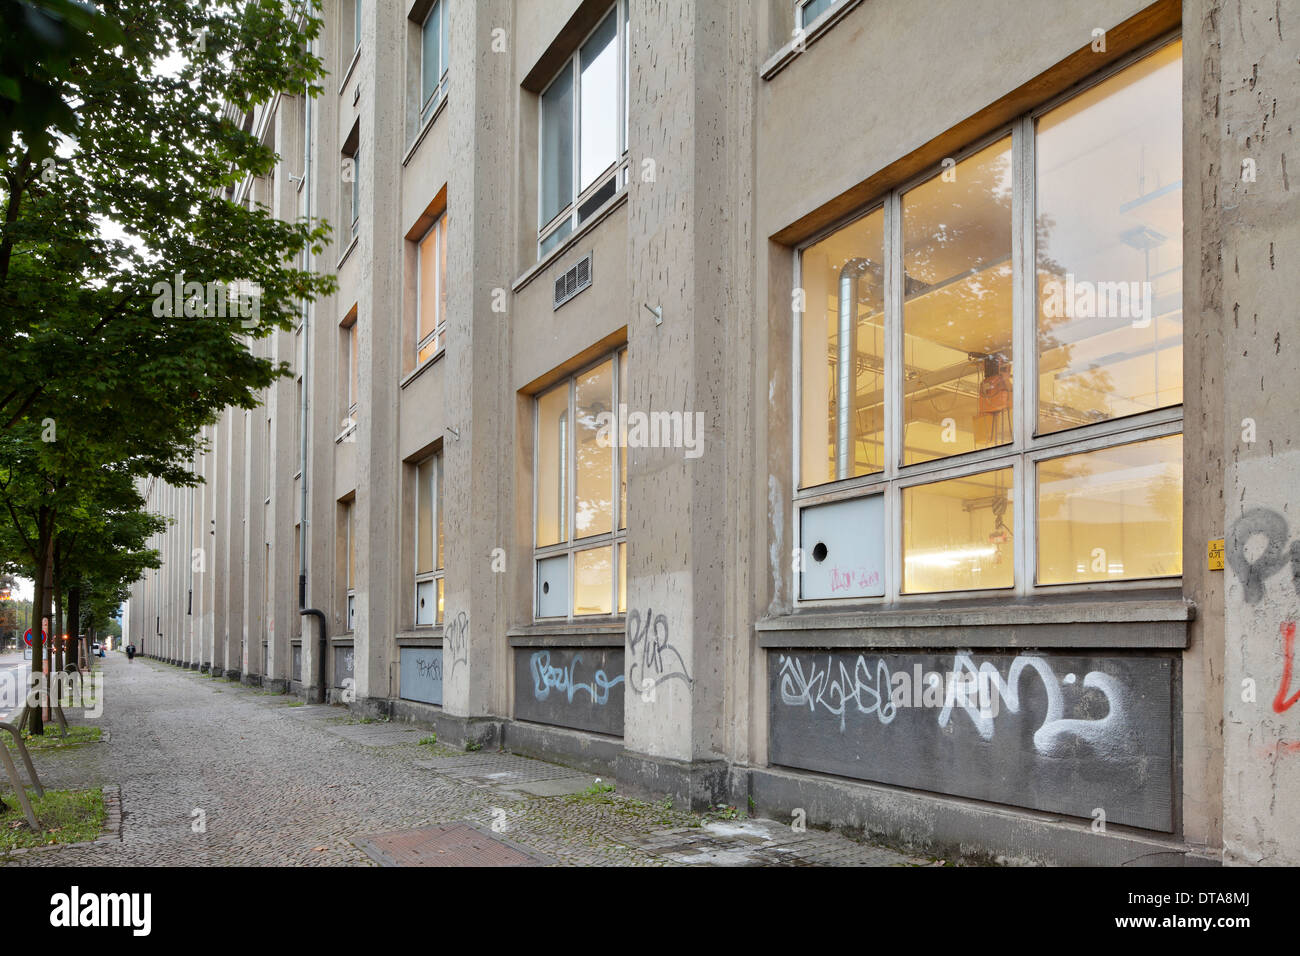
x=45 y=639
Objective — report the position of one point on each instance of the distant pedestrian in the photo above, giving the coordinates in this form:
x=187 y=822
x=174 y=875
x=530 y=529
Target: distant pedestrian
x=130 y=652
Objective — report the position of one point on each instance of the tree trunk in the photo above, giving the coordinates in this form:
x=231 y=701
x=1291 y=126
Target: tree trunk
x=39 y=595
x=56 y=639
x=47 y=624
x=74 y=622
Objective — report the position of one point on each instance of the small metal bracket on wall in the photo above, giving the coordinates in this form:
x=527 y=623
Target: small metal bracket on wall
x=454 y=432
x=657 y=311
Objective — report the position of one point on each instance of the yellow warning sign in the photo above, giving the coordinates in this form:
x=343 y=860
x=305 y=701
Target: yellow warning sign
x=1214 y=553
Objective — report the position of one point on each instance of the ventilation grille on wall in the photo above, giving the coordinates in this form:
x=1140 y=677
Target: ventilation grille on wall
x=573 y=281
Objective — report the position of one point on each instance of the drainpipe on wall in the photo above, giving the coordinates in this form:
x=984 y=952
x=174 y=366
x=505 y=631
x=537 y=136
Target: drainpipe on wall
x=303 y=417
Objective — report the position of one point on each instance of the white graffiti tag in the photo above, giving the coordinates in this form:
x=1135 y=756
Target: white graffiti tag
x=1103 y=733
x=819 y=687
x=979 y=692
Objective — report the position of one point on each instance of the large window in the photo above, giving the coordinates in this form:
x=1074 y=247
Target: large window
x=990 y=375
x=428 y=541
x=350 y=559
x=580 y=484
x=584 y=132
x=350 y=365
x=431 y=292
x=433 y=59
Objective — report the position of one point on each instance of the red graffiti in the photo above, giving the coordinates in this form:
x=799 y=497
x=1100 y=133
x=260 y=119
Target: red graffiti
x=1281 y=702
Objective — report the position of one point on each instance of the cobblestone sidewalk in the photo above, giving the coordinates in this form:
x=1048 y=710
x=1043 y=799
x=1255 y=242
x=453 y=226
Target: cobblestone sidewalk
x=274 y=782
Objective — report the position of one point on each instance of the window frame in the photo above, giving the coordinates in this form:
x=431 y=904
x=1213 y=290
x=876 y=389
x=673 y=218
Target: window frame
x=800 y=20
x=1027 y=448
x=429 y=104
x=437 y=574
x=355 y=201
x=616 y=537
x=617 y=171
x=349 y=559
x=439 y=333
x=351 y=327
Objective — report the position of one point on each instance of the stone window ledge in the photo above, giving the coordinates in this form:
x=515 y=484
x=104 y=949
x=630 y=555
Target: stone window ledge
x=604 y=634
x=1139 y=624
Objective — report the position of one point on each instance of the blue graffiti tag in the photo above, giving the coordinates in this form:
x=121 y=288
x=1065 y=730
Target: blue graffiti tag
x=547 y=678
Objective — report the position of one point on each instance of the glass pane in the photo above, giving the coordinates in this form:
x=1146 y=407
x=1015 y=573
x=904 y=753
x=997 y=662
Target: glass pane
x=437 y=480
x=622 y=578
x=424 y=517
x=552 y=466
x=813 y=9
x=957 y=308
x=352 y=544
x=427 y=283
x=596 y=201
x=1112 y=514
x=1110 y=248
x=356 y=186
x=557 y=146
x=593 y=511
x=593 y=581
x=430 y=45
x=443 y=33
x=442 y=270
x=598 y=96
x=958 y=534
x=440 y=600
x=558 y=236
x=356 y=24
x=622 y=443
x=843 y=354
x=354 y=358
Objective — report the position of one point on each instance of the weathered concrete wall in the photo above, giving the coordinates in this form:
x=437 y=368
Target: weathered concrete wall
x=1258 y=109
x=476 y=452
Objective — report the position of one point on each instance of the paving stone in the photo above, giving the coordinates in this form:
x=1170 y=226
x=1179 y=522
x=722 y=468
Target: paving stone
x=214 y=773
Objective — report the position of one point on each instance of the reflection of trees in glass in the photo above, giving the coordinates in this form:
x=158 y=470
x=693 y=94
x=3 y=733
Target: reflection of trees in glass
x=593 y=505
x=1076 y=394
x=964 y=258
x=1164 y=503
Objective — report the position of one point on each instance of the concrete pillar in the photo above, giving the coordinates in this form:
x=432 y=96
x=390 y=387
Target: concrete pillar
x=1259 y=209
x=478 y=470
x=681 y=181
x=379 y=313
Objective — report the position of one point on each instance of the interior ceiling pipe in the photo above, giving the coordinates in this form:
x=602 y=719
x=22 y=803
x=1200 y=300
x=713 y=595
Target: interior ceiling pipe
x=846 y=362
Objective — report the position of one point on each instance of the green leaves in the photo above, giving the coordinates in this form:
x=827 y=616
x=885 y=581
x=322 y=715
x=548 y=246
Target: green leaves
x=147 y=105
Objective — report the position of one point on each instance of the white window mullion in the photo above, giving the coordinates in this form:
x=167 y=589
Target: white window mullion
x=894 y=340
x=576 y=156
x=570 y=495
x=894 y=377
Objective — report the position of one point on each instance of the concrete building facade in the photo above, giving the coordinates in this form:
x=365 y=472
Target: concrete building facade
x=867 y=412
